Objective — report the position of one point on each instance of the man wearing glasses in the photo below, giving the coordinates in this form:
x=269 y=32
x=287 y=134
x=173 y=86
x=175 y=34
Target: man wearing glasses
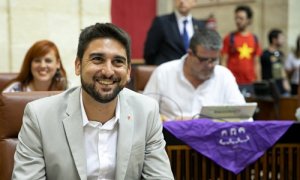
x=183 y=86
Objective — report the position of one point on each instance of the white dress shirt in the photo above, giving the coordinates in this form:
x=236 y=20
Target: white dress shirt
x=293 y=63
x=177 y=97
x=100 y=145
x=16 y=87
x=189 y=24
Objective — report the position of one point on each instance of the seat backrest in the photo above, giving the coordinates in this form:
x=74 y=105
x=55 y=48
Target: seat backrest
x=5 y=78
x=11 y=112
x=298 y=90
x=141 y=74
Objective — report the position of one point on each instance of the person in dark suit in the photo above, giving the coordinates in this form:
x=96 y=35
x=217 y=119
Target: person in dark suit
x=169 y=35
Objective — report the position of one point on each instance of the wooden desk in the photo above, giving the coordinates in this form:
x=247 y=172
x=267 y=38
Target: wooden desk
x=287 y=107
x=282 y=109
x=282 y=161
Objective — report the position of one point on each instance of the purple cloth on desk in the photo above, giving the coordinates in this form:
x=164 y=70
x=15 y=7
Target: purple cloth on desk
x=231 y=145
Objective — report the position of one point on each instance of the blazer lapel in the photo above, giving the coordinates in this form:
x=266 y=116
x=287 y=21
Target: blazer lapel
x=125 y=135
x=195 y=25
x=175 y=31
x=74 y=132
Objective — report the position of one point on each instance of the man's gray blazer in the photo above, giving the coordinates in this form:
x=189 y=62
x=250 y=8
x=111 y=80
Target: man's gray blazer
x=51 y=143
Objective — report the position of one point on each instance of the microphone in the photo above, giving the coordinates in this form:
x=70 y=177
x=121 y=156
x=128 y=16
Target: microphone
x=168 y=98
x=199 y=115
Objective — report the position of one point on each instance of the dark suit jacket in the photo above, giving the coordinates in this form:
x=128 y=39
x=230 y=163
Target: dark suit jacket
x=164 y=42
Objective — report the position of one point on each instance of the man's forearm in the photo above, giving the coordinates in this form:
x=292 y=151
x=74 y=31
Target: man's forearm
x=257 y=69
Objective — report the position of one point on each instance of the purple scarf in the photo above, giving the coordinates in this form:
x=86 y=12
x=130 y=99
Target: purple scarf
x=232 y=145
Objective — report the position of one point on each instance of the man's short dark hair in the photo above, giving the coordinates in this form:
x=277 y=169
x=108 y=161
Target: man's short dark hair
x=273 y=34
x=103 y=30
x=246 y=9
x=207 y=38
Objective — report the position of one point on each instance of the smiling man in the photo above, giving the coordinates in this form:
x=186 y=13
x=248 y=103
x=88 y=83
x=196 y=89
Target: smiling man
x=183 y=86
x=100 y=130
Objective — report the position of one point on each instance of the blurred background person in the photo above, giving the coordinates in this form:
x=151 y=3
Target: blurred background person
x=184 y=85
x=241 y=51
x=169 y=35
x=272 y=61
x=42 y=70
x=292 y=65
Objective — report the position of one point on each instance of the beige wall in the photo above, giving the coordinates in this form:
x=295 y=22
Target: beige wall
x=27 y=21
x=268 y=14
x=293 y=22
x=164 y=6
x=4 y=48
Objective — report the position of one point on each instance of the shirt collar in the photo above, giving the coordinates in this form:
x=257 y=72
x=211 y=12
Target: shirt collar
x=85 y=120
x=182 y=61
x=181 y=18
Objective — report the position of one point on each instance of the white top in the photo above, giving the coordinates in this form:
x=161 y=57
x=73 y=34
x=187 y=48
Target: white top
x=177 y=96
x=189 y=24
x=16 y=87
x=100 y=145
x=293 y=63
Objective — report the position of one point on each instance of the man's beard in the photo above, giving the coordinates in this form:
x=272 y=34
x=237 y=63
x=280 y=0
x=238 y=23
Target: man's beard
x=204 y=75
x=241 y=27
x=92 y=91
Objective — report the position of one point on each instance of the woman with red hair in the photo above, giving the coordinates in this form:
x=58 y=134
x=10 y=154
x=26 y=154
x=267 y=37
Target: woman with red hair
x=42 y=70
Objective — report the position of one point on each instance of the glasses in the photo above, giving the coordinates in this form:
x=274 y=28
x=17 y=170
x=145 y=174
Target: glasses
x=207 y=60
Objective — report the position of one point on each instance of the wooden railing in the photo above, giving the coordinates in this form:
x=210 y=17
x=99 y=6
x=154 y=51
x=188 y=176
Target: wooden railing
x=282 y=161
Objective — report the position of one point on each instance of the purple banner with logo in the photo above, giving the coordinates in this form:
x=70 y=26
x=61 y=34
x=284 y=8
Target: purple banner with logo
x=232 y=145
